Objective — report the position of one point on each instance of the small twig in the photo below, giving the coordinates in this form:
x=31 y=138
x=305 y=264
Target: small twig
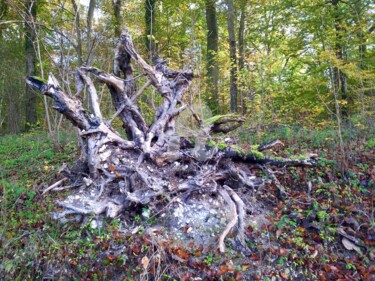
x=141 y=90
x=270 y=145
x=135 y=77
x=89 y=132
x=196 y=117
x=275 y=181
x=66 y=187
x=56 y=184
x=100 y=191
x=121 y=108
x=25 y=234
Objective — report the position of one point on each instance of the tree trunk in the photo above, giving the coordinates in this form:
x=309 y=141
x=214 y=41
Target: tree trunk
x=3 y=12
x=241 y=52
x=340 y=76
x=233 y=57
x=150 y=26
x=79 y=32
x=212 y=50
x=90 y=15
x=30 y=110
x=117 y=16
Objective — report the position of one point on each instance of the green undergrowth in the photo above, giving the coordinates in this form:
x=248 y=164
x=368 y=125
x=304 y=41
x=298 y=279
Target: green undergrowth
x=309 y=138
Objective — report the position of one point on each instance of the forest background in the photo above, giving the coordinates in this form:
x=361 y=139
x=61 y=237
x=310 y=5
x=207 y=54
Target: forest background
x=301 y=63
x=302 y=71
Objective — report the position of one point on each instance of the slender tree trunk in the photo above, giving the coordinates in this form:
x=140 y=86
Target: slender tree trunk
x=212 y=49
x=3 y=12
x=241 y=59
x=79 y=32
x=233 y=57
x=117 y=16
x=30 y=110
x=241 y=30
x=90 y=15
x=358 y=16
x=340 y=77
x=150 y=26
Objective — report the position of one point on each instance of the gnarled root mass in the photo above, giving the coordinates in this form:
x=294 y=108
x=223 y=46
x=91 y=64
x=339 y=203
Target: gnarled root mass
x=153 y=165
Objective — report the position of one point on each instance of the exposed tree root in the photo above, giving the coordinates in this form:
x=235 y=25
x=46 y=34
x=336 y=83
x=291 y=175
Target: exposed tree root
x=53 y=186
x=233 y=218
x=154 y=165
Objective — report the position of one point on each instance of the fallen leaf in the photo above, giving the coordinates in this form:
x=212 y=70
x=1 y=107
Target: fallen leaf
x=349 y=245
x=198 y=251
x=322 y=276
x=283 y=251
x=182 y=254
x=135 y=230
x=145 y=262
x=245 y=267
x=222 y=270
x=186 y=229
x=135 y=250
x=284 y=275
x=314 y=254
x=177 y=258
x=112 y=168
x=208 y=249
x=334 y=268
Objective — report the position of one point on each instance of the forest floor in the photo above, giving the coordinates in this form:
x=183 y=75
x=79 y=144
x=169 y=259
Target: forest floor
x=298 y=237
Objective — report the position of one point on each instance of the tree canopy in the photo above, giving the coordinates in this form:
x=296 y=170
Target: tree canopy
x=300 y=62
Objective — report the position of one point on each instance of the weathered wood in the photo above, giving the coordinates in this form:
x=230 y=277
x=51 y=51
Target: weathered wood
x=115 y=174
x=224 y=124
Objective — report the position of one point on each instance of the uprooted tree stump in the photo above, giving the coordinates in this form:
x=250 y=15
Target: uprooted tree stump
x=153 y=167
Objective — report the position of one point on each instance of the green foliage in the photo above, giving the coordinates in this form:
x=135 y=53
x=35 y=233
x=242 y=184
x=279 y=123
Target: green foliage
x=371 y=143
x=286 y=76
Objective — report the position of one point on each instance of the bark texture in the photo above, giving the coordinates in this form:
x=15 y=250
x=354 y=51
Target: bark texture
x=150 y=28
x=212 y=50
x=233 y=57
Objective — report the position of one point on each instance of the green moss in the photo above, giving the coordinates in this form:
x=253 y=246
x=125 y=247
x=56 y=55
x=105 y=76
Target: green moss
x=297 y=157
x=257 y=154
x=222 y=145
x=217 y=118
x=237 y=148
x=254 y=147
x=211 y=143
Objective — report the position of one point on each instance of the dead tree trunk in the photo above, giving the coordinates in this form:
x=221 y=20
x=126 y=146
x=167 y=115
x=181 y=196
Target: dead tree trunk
x=153 y=166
